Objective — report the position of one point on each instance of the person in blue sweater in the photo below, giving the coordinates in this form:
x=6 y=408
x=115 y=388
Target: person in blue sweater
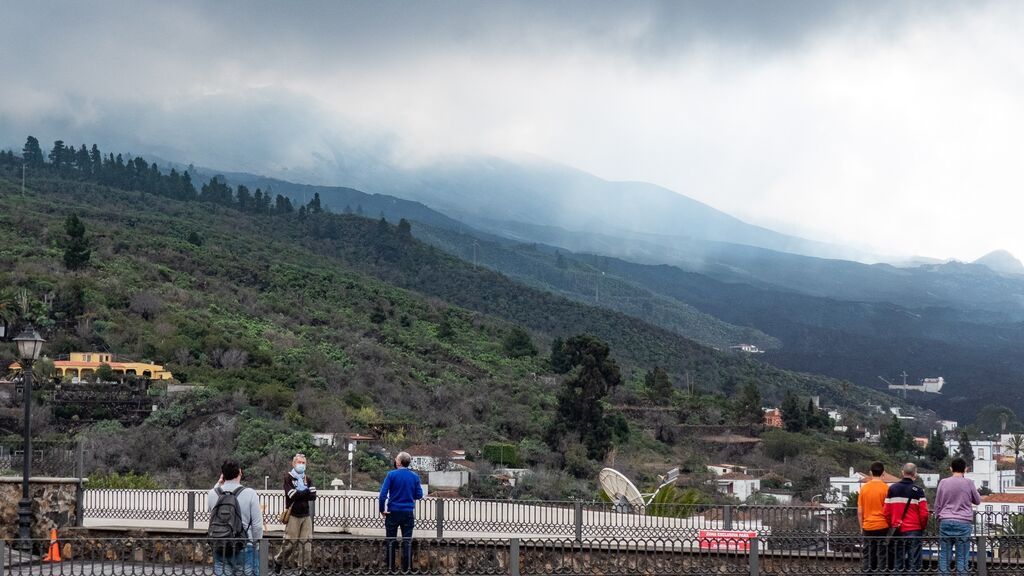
x=398 y=495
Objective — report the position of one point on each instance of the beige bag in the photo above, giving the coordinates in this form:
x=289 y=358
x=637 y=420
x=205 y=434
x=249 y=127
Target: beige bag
x=286 y=515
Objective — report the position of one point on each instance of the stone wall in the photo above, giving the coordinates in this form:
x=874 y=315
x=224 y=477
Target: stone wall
x=54 y=505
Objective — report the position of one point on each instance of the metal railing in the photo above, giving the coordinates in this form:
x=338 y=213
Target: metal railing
x=766 y=555
x=442 y=517
x=62 y=459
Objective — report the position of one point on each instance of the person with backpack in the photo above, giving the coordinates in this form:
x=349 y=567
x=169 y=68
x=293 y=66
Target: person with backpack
x=299 y=491
x=236 y=523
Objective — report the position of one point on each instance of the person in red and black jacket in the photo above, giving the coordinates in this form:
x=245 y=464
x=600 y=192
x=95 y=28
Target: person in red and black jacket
x=907 y=511
x=299 y=491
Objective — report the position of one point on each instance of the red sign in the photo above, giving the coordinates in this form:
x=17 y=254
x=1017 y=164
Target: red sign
x=726 y=540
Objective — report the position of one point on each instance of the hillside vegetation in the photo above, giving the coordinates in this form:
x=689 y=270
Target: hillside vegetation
x=293 y=321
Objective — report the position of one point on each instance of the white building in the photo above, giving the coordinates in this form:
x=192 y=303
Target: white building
x=748 y=348
x=725 y=468
x=740 y=486
x=835 y=415
x=840 y=487
x=984 y=474
x=983 y=449
x=946 y=425
x=324 y=439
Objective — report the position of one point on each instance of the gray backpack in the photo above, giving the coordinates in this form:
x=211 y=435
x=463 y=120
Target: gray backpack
x=226 y=529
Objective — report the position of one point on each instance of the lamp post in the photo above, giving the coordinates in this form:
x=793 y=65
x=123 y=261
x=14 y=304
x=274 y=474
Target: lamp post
x=29 y=344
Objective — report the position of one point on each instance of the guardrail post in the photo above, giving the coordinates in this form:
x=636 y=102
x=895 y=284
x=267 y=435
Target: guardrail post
x=80 y=461
x=80 y=503
x=191 y=510
x=513 y=557
x=578 y=520
x=727 y=518
x=439 y=516
x=755 y=561
x=264 y=557
x=982 y=556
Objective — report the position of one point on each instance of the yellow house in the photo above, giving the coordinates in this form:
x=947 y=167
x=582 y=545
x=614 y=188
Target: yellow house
x=83 y=364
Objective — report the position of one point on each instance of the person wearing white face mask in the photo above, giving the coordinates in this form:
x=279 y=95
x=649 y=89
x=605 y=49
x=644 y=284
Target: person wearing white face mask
x=299 y=491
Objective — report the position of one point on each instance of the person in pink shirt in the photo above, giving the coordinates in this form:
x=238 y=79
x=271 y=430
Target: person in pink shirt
x=954 y=507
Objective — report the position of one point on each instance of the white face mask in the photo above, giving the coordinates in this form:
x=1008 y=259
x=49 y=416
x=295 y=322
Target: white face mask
x=300 y=468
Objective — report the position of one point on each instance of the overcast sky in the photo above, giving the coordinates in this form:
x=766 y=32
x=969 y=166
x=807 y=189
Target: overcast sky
x=895 y=126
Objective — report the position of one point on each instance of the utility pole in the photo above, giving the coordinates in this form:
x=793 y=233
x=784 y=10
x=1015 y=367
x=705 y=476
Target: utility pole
x=23 y=179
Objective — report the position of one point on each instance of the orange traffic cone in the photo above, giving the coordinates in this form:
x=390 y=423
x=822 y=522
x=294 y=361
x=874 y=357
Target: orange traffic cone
x=54 y=554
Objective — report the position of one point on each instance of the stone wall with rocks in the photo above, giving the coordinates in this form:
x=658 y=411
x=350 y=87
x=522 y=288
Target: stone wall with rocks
x=54 y=505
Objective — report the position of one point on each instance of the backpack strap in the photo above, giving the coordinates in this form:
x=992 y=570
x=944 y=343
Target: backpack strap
x=218 y=491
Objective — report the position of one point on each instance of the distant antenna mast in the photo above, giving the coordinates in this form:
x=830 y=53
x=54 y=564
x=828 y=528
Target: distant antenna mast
x=475 y=245
x=23 y=179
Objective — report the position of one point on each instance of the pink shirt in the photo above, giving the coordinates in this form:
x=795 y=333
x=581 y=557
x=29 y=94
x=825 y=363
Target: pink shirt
x=954 y=498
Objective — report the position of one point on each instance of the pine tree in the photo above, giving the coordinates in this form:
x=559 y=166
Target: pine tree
x=748 y=405
x=76 y=252
x=964 y=448
x=794 y=418
x=404 y=229
x=895 y=439
x=32 y=153
x=658 y=385
x=559 y=359
x=314 y=205
x=581 y=398
x=936 y=450
x=59 y=155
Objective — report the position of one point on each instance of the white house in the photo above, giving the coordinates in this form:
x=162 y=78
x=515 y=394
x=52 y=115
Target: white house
x=324 y=439
x=985 y=474
x=725 y=468
x=983 y=449
x=994 y=506
x=840 y=487
x=946 y=425
x=740 y=486
x=835 y=415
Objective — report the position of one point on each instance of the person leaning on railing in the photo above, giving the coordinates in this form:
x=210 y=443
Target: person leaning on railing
x=397 y=503
x=907 y=510
x=873 y=523
x=954 y=504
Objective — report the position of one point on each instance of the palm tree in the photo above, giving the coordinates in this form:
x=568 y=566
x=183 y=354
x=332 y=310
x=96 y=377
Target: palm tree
x=672 y=502
x=1016 y=443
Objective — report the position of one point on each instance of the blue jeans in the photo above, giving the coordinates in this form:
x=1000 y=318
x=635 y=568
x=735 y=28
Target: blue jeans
x=907 y=549
x=954 y=533
x=227 y=562
x=392 y=522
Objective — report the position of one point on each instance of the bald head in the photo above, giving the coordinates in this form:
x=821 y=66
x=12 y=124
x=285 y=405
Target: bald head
x=910 y=470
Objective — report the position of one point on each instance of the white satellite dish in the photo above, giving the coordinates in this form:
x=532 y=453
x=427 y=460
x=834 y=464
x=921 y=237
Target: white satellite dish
x=622 y=492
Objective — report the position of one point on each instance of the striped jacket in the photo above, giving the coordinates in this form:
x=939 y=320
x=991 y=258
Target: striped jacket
x=900 y=494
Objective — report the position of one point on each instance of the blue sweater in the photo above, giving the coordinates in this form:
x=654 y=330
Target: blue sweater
x=400 y=491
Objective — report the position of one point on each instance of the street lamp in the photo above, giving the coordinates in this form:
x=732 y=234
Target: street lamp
x=29 y=344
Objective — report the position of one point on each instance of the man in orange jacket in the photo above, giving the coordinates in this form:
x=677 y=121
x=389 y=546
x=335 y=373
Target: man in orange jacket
x=874 y=524
x=907 y=511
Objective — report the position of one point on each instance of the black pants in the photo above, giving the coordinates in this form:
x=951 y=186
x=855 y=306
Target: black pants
x=392 y=522
x=875 y=556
